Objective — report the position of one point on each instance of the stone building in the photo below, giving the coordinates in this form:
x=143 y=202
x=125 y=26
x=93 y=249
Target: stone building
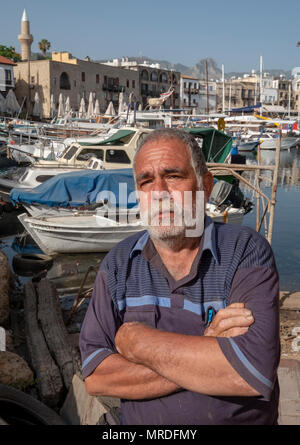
x=73 y=78
x=238 y=93
x=286 y=98
x=152 y=81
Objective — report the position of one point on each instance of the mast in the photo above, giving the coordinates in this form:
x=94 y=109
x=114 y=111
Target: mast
x=207 y=92
x=261 y=85
x=223 y=92
x=289 y=106
x=229 y=103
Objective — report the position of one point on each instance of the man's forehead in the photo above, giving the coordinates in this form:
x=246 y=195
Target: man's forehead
x=163 y=150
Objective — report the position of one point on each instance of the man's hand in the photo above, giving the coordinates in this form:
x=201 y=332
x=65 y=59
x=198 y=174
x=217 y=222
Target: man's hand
x=232 y=321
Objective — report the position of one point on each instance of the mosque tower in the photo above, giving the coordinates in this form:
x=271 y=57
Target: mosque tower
x=25 y=38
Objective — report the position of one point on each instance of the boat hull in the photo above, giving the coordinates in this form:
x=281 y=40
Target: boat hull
x=53 y=239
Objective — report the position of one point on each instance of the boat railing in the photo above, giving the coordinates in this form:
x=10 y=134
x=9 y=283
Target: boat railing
x=265 y=205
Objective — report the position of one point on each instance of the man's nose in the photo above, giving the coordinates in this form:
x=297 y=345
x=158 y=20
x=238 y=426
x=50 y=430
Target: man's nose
x=160 y=188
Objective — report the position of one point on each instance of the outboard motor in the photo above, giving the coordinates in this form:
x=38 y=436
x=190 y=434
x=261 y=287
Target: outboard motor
x=224 y=195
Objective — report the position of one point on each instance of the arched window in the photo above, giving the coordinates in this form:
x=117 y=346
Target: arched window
x=144 y=75
x=163 y=78
x=154 y=76
x=64 y=82
x=174 y=79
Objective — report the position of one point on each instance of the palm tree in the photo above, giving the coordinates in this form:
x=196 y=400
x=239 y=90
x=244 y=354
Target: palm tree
x=44 y=45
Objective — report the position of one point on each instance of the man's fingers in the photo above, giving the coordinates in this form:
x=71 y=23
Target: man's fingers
x=219 y=326
x=230 y=312
x=234 y=332
x=239 y=321
x=237 y=305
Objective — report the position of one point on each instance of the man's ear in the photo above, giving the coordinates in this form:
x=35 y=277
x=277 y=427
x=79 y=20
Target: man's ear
x=208 y=183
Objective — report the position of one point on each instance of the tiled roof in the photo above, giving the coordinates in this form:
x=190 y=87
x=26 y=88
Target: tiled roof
x=6 y=61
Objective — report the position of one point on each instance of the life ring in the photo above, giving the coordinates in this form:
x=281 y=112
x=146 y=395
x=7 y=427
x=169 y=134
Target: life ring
x=19 y=408
x=27 y=264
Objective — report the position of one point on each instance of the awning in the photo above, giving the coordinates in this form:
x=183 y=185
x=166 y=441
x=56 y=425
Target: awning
x=246 y=109
x=216 y=146
x=114 y=138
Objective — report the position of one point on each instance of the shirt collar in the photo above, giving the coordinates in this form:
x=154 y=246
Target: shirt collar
x=140 y=244
x=209 y=242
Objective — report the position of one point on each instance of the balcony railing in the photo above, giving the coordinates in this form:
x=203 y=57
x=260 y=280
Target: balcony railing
x=114 y=88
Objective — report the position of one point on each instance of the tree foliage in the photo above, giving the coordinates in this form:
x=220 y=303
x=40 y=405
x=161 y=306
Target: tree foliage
x=10 y=53
x=44 y=45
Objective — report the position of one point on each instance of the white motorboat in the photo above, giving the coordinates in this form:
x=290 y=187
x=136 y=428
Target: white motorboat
x=268 y=141
x=248 y=146
x=29 y=153
x=77 y=233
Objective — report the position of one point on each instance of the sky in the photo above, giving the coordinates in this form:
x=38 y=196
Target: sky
x=234 y=33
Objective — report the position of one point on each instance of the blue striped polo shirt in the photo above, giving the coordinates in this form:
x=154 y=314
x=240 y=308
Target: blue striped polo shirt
x=233 y=264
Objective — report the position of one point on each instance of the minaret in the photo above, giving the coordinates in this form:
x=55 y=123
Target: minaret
x=25 y=38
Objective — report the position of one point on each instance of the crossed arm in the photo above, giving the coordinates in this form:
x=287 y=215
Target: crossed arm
x=151 y=363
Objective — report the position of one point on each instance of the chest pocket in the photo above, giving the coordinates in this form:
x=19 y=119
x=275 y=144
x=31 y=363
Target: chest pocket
x=142 y=314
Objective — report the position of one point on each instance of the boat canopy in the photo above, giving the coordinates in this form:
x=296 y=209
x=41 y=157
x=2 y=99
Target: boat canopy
x=249 y=109
x=115 y=138
x=216 y=145
x=81 y=188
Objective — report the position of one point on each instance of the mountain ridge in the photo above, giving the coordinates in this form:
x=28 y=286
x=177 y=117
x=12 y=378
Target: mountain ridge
x=199 y=69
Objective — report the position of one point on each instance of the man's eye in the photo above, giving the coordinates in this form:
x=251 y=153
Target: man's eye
x=145 y=182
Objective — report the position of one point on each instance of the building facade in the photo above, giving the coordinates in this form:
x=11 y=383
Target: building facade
x=190 y=93
x=76 y=79
x=152 y=81
x=6 y=75
x=73 y=78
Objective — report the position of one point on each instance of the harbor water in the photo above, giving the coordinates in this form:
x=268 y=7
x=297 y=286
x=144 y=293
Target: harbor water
x=286 y=229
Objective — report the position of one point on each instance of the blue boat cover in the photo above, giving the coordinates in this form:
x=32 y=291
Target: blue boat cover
x=81 y=188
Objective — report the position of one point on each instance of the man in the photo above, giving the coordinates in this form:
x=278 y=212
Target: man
x=184 y=329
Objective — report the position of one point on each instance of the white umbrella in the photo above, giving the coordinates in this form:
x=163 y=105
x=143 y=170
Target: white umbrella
x=52 y=107
x=121 y=102
x=90 y=110
x=11 y=104
x=97 y=108
x=2 y=104
x=110 y=110
x=37 y=111
x=67 y=106
x=82 y=111
x=61 y=110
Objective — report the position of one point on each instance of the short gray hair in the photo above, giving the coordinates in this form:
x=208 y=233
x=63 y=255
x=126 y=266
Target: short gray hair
x=197 y=157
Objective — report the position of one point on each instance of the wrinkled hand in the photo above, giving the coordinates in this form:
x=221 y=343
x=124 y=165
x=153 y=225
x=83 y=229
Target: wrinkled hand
x=232 y=321
x=127 y=339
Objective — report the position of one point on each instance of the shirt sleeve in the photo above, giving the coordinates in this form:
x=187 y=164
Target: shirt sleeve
x=256 y=354
x=99 y=327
